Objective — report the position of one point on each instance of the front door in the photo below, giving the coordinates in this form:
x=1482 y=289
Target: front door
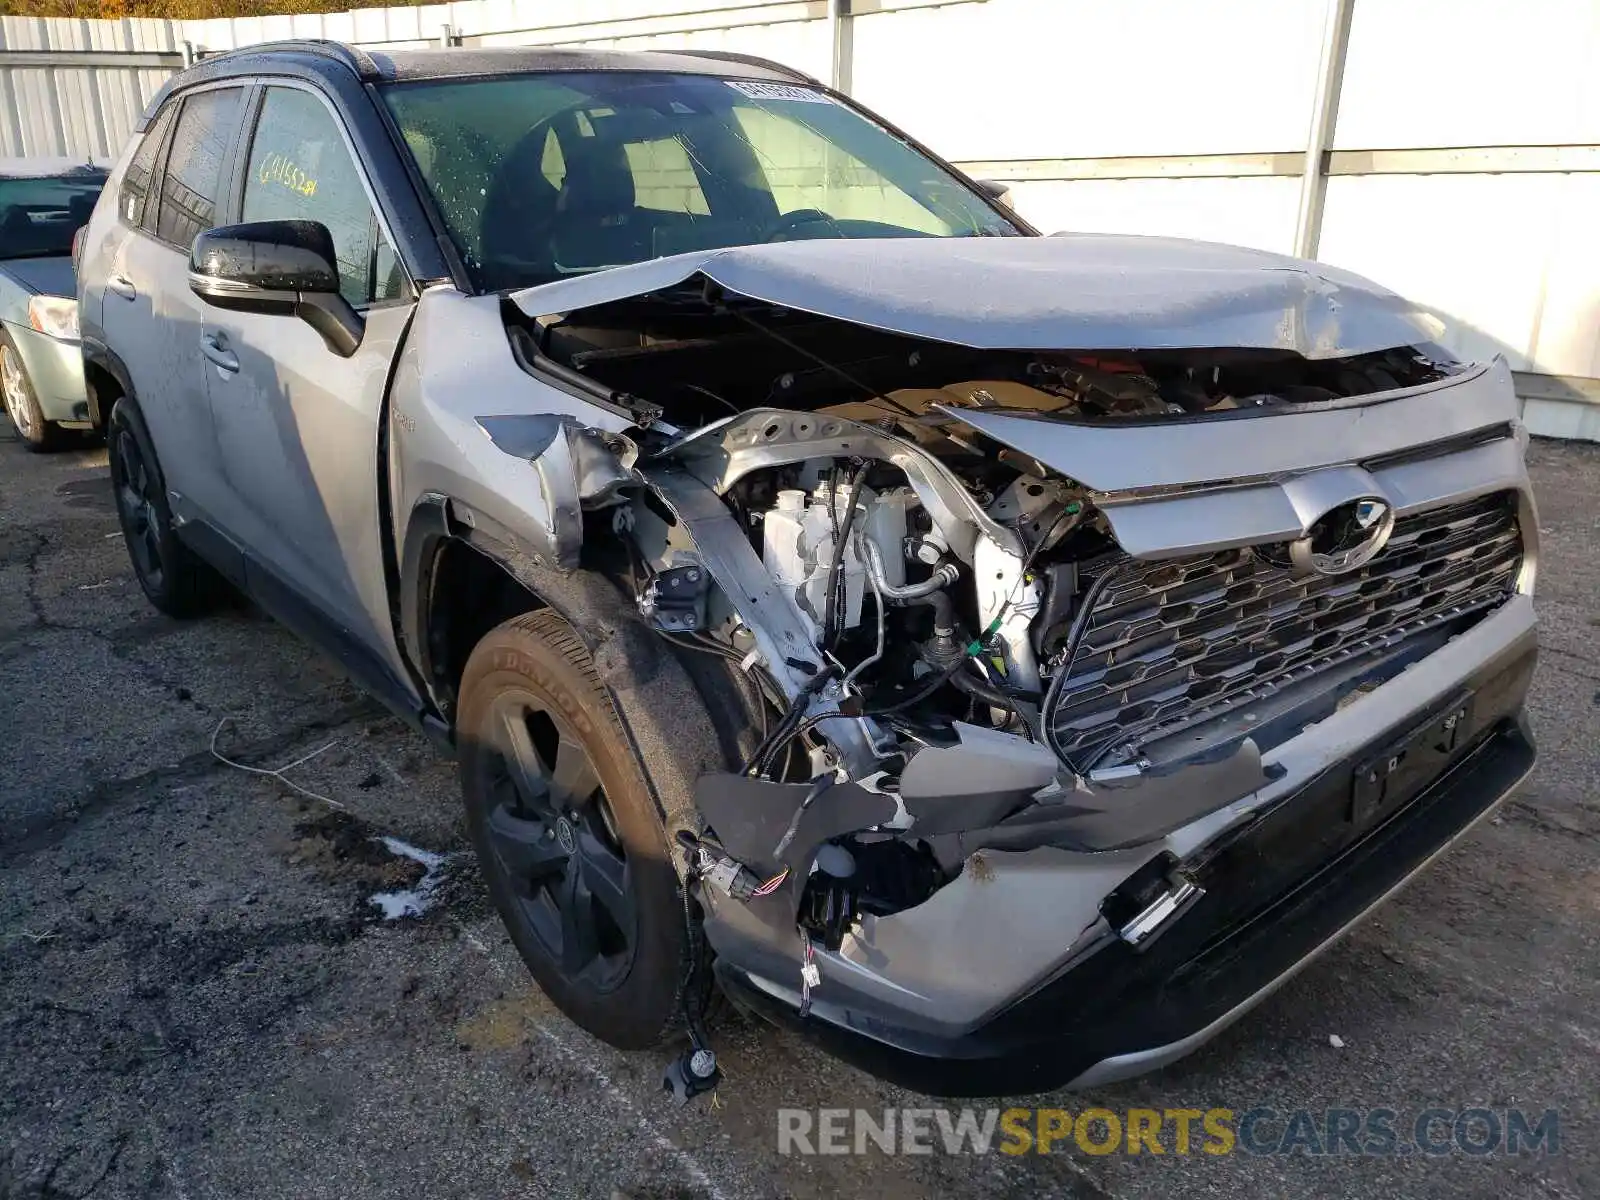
x=296 y=424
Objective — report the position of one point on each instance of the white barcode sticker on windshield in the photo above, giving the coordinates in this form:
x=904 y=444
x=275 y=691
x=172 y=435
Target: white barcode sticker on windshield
x=777 y=91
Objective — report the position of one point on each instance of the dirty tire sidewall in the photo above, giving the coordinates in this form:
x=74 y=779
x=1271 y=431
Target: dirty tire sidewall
x=189 y=586
x=540 y=652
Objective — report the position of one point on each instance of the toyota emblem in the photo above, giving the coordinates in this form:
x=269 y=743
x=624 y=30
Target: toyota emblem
x=1344 y=538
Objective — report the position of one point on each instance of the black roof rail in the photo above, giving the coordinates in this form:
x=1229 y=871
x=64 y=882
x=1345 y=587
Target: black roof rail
x=355 y=58
x=749 y=60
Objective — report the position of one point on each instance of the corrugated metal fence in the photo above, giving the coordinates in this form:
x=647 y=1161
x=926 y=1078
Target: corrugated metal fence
x=76 y=87
x=1459 y=146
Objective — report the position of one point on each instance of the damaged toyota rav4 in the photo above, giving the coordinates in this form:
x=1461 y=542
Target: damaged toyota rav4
x=1005 y=658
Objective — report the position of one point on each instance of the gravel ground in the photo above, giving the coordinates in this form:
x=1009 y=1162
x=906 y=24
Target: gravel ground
x=197 y=998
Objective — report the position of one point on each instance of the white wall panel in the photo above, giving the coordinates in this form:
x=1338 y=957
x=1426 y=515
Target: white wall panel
x=1510 y=262
x=1471 y=73
x=1256 y=212
x=1084 y=78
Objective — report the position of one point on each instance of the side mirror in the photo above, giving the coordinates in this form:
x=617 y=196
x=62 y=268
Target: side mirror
x=996 y=190
x=286 y=268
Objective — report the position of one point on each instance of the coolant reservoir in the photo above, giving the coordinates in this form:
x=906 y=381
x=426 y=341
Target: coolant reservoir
x=782 y=531
x=887 y=525
x=797 y=550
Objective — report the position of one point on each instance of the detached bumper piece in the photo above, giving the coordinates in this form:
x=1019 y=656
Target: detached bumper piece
x=1279 y=891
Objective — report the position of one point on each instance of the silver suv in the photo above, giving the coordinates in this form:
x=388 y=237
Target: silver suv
x=1006 y=658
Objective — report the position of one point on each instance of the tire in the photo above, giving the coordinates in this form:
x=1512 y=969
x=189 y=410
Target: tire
x=22 y=403
x=574 y=849
x=174 y=578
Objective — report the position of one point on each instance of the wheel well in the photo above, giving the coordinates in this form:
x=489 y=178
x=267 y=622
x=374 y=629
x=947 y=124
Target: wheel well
x=469 y=594
x=102 y=391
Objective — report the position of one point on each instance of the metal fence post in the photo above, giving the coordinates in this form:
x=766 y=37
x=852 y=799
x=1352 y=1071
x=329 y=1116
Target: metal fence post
x=1324 y=117
x=841 y=23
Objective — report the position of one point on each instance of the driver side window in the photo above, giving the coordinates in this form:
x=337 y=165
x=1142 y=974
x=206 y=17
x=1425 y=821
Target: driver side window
x=301 y=170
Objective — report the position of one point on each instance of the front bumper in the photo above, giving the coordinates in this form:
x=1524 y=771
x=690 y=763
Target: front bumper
x=55 y=369
x=1279 y=888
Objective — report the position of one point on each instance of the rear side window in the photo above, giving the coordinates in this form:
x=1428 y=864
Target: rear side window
x=301 y=170
x=193 y=179
x=133 y=200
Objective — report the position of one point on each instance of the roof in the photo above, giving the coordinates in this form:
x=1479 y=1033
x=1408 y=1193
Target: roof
x=485 y=60
x=516 y=60
x=318 y=57
x=45 y=168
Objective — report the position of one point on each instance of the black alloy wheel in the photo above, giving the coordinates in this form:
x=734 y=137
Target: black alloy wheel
x=138 y=493
x=175 y=579
x=556 y=842
x=570 y=833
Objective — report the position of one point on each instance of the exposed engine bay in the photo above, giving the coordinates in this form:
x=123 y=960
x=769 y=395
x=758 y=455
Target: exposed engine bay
x=926 y=621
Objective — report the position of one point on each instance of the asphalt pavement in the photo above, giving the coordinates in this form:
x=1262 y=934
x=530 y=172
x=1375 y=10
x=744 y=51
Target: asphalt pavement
x=198 y=997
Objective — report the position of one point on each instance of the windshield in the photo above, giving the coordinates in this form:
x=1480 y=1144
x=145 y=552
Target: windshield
x=543 y=176
x=39 y=216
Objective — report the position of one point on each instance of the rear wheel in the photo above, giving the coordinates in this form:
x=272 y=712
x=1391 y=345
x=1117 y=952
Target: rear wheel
x=175 y=579
x=22 y=404
x=569 y=834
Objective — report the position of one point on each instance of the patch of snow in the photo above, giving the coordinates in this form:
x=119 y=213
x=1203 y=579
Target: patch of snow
x=414 y=901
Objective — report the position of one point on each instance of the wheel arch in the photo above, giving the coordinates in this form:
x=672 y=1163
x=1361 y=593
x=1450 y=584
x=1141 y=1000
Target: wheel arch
x=105 y=381
x=462 y=576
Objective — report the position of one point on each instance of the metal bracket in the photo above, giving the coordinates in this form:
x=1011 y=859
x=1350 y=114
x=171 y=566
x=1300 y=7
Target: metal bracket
x=675 y=600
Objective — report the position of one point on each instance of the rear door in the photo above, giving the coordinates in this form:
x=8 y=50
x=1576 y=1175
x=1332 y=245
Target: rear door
x=150 y=318
x=298 y=426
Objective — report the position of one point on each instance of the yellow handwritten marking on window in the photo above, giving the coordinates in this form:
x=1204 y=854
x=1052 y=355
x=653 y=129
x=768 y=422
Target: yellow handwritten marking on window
x=282 y=170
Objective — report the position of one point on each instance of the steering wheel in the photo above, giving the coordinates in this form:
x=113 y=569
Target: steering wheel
x=800 y=216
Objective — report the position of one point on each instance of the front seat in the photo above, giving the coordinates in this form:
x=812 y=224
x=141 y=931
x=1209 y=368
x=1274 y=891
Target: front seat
x=597 y=222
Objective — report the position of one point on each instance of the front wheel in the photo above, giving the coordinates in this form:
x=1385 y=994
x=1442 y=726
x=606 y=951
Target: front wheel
x=569 y=834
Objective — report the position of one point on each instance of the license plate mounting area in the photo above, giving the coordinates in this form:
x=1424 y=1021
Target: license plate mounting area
x=1398 y=770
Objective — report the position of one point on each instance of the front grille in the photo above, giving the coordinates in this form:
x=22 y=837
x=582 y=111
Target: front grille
x=1169 y=644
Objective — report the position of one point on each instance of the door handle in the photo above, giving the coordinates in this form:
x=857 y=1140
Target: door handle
x=215 y=349
x=122 y=286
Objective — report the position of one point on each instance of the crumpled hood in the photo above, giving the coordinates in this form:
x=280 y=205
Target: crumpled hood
x=1069 y=292
x=46 y=276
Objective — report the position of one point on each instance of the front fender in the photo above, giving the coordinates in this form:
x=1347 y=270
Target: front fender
x=512 y=452
x=664 y=712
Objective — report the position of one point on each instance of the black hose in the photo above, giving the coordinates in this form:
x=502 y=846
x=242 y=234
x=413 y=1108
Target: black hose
x=993 y=696
x=983 y=690
x=1075 y=635
x=762 y=755
x=841 y=539
x=782 y=736
x=944 y=611
x=921 y=694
